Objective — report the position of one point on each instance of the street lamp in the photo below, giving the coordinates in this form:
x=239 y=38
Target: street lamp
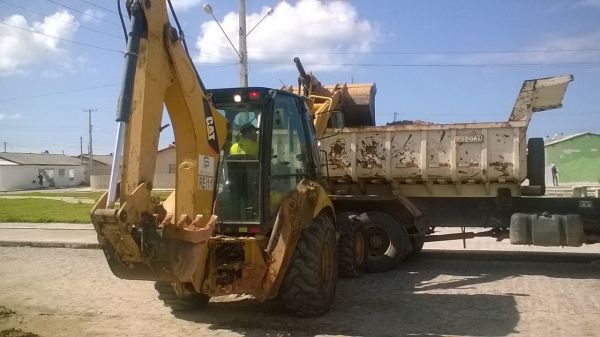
x=243 y=50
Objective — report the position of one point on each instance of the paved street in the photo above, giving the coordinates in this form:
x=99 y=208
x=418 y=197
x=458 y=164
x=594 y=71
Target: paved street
x=71 y=292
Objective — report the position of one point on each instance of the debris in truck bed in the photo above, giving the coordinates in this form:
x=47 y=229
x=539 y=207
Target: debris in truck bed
x=409 y=122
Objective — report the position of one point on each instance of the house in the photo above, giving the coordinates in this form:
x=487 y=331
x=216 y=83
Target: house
x=21 y=170
x=164 y=171
x=101 y=166
x=577 y=158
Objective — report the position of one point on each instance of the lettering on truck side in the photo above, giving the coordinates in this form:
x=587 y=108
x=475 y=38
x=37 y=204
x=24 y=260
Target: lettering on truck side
x=469 y=139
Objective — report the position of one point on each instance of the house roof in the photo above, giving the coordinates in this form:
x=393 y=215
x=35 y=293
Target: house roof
x=40 y=159
x=571 y=137
x=105 y=159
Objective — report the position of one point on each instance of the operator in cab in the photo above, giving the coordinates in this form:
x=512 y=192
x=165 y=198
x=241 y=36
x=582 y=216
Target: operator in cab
x=247 y=143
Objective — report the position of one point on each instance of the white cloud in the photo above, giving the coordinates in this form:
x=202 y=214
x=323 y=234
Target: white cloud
x=319 y=32
x=92 y=16
x=9 y=116
x=20 y=48
x=185 y=4
x=589 y=3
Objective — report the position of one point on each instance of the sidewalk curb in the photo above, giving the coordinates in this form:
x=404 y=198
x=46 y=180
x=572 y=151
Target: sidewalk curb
x=50 y=244
x=508 y=256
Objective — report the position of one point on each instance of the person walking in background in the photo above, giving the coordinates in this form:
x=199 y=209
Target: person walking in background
x=554 y=171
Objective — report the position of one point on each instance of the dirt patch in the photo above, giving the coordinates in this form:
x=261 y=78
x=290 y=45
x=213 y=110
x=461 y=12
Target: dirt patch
x=17 y=333
x=6 y=312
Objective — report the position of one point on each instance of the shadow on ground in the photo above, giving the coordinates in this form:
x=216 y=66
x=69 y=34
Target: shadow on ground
x=410 y=300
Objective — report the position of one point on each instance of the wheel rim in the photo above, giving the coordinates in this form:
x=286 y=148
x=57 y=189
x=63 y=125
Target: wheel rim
x=359 y=248
x=379 y=241
x=327 y=269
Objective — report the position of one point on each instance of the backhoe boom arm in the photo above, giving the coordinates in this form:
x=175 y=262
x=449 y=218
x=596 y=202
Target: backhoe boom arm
x=159 y=72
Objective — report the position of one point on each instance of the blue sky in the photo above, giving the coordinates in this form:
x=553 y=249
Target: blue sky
x=439 y=61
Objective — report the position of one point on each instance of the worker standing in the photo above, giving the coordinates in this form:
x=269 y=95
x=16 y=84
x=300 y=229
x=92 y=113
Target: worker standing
x=554 y=171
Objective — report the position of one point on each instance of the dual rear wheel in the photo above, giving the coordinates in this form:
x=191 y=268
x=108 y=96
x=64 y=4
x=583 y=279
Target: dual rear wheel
x=374 y=242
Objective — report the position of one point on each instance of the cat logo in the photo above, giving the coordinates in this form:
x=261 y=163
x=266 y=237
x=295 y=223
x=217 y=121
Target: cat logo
x=210 y=128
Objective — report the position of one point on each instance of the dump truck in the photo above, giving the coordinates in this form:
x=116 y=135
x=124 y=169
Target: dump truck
x=399 y=182
x=458 y=175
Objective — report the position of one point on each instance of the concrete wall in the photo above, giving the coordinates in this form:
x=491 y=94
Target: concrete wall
x=577 y=159
x=25 y=176
x=164 y=158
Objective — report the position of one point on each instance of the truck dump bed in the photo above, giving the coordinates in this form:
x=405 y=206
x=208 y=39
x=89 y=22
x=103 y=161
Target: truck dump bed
x=442 y=154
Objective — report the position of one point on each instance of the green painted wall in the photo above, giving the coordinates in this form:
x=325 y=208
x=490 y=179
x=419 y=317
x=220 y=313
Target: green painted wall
x=577 y=159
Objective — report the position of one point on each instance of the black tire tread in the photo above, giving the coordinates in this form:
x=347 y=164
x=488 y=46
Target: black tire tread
x=348 y=226
x=301 y=289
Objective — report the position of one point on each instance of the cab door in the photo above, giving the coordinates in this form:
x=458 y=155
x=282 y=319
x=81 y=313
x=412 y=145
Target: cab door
x=291 y=155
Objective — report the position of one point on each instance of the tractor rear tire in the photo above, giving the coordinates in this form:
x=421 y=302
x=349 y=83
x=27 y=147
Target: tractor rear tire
x=387 y=241
x=351 y=245
x=308 y=287
x=169 y=297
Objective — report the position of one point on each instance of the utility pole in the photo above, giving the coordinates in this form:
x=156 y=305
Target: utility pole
x=91 y=147
x=4 y=147
x=395 y=115
x=243 y=46
x=81 y=150
x=242 y=50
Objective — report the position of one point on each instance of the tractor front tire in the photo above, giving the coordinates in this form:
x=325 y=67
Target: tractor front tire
x=308 y=287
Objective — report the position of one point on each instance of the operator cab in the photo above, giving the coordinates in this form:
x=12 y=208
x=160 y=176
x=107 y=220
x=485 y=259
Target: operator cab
x=268 y=151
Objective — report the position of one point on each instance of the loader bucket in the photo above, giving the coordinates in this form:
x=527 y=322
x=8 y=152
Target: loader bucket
x=358 y=104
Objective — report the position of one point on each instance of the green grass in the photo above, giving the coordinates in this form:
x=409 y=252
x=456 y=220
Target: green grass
x=88 y=195
x=43 y=210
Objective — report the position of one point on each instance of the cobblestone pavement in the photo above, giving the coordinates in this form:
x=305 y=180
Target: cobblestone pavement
x=69 y=292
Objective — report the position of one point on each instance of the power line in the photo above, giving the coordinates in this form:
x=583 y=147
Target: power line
x=429 y=52
x=48 y=16
x=84 y=13
x=63 y=39
x=447 y=65
x=98 y=6
x=59 y=92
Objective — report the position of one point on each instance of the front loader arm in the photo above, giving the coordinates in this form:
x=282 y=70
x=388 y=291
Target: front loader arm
x=159 y=72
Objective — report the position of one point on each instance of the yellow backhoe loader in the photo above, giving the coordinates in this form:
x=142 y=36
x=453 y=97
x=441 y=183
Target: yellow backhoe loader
x=239 y=222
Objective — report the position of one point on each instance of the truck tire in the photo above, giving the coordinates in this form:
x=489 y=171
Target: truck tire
x=536 y=165
x=416 y=243
x=169 y=297
x=387 y=241
x=308 y=287
x=351 y=245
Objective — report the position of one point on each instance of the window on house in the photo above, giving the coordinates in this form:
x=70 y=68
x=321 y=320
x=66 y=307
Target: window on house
x=71 y=174
x=172 y=168
x=61 y=172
